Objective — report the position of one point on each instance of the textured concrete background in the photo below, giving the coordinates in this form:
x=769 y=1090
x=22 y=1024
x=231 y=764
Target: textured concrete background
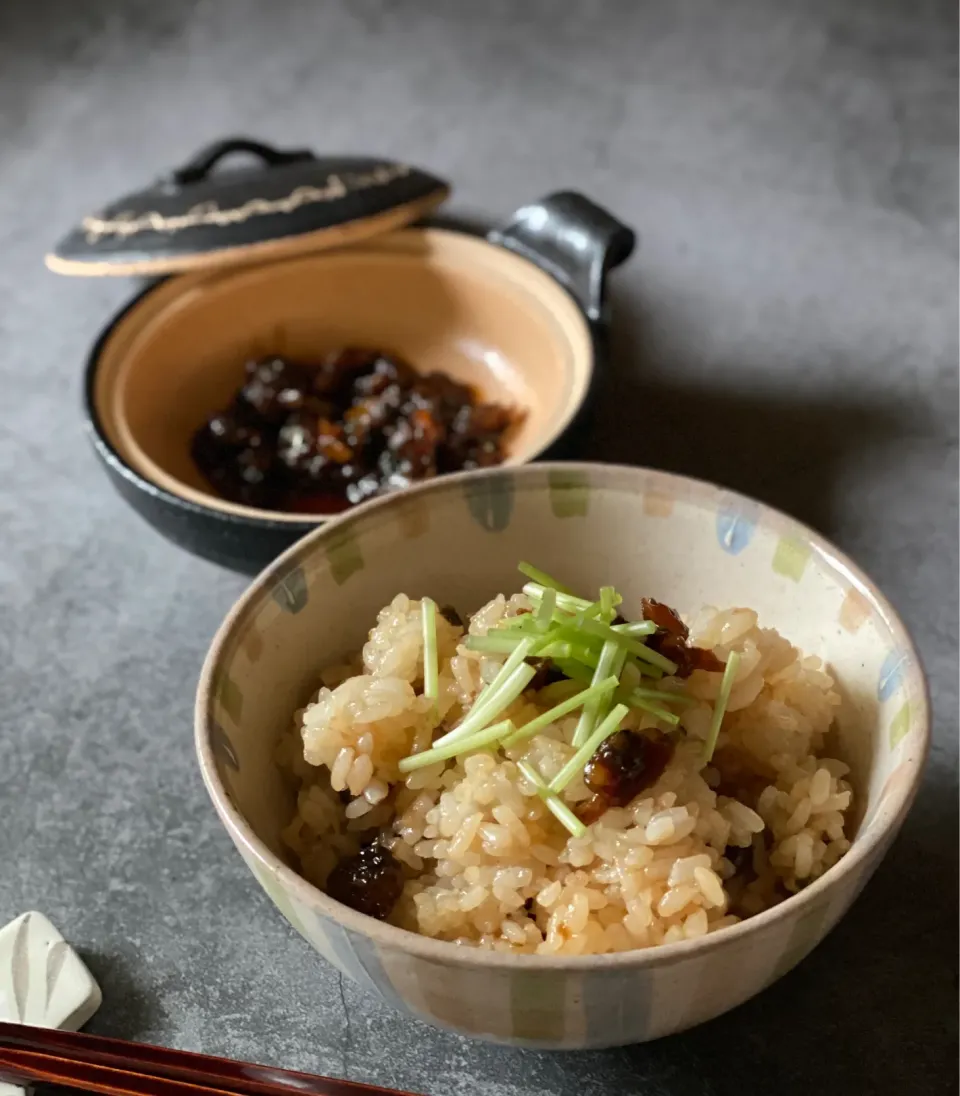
x=788 y=328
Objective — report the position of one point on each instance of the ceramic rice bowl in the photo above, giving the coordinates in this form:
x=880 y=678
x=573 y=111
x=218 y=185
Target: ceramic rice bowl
x=458 y=539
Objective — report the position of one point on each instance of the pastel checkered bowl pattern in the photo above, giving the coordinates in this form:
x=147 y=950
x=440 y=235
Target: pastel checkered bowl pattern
x=459 y=539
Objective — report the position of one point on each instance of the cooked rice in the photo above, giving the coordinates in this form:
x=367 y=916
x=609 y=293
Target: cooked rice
x=489 y=865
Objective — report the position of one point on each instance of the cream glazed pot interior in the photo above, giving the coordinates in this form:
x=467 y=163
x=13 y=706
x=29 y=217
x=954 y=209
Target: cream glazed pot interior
x=458 y=539
x=443 y=300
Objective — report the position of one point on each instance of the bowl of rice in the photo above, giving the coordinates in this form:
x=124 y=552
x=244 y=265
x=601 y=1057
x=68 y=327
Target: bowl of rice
x=564 y=755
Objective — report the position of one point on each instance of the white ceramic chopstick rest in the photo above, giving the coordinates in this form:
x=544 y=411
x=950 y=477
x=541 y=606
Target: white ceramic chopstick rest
x=42 y=980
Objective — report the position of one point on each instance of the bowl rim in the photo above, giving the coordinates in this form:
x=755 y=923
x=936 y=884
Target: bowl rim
x=252 y=517
x=443 y=951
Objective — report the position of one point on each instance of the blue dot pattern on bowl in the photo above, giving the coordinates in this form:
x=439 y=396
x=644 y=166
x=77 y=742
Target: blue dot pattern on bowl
x=490 y=502
x=891 y=675
x=291 y=593
x=735 y=528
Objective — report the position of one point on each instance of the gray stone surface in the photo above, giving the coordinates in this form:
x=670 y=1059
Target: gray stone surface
x=788 y=328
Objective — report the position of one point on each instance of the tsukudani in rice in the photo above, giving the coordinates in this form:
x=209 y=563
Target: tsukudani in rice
x=740 y=806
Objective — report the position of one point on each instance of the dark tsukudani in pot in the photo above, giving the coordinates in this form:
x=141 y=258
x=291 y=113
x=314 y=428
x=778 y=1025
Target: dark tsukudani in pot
x=520 y=316
x=442 y=301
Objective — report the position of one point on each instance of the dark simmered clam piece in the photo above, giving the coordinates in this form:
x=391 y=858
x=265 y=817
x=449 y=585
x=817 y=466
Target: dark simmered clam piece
x=320 y=438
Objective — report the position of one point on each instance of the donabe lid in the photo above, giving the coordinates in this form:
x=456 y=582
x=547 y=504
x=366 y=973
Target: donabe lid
x=290 y=202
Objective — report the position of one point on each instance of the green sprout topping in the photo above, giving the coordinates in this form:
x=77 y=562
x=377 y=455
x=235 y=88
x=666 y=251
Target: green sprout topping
x=574 y=668
x=541 y=578
x=548 y=606
x=610 y=635
x=556 y=651
x=606 y=665
x=454 y=749
x=490 y=704
x=557 y=691
x=431 y=670
x=495 y=643
x=567 y=602
x=640 y=703
x=565 y=707
x=575 y=765
x=636 y=628
x=608 y=670
x=554 y=803
x=720 y=707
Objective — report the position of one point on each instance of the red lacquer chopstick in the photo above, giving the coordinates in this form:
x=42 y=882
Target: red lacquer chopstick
x=114 y=1067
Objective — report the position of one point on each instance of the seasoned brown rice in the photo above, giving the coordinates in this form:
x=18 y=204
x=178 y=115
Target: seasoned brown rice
x=489 y=865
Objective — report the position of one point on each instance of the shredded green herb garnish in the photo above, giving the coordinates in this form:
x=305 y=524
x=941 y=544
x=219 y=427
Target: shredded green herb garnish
x=567 y=602
x=656 y=660
x=455 y=749
x=586 y=656
x=628 y=643
x=557 y=691
x=594 y=611
x=576 y=671
x=720 y=707
x=490 y=704
x=532 y=776
x=548 y=606
x=557 y=651
x=565 y=816
x=520 y=622
x=575 y=765
x=643 y=705
x=520 y=651
x=664 y=696
x=606 y=665
x=554 y=803
x=541 y=578
x=431 y=669
x=565 y=707
x=653 y=672
x=494 y=643
x=508 y=672
x=636 y=628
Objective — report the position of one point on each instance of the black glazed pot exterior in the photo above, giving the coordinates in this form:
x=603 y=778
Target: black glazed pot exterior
x=573 y=240
x=566 y=235
x=577 y=243
x=238 y=543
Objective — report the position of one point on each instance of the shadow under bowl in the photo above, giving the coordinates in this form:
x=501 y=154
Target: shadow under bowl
x=458 y=539
x=442 y=300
